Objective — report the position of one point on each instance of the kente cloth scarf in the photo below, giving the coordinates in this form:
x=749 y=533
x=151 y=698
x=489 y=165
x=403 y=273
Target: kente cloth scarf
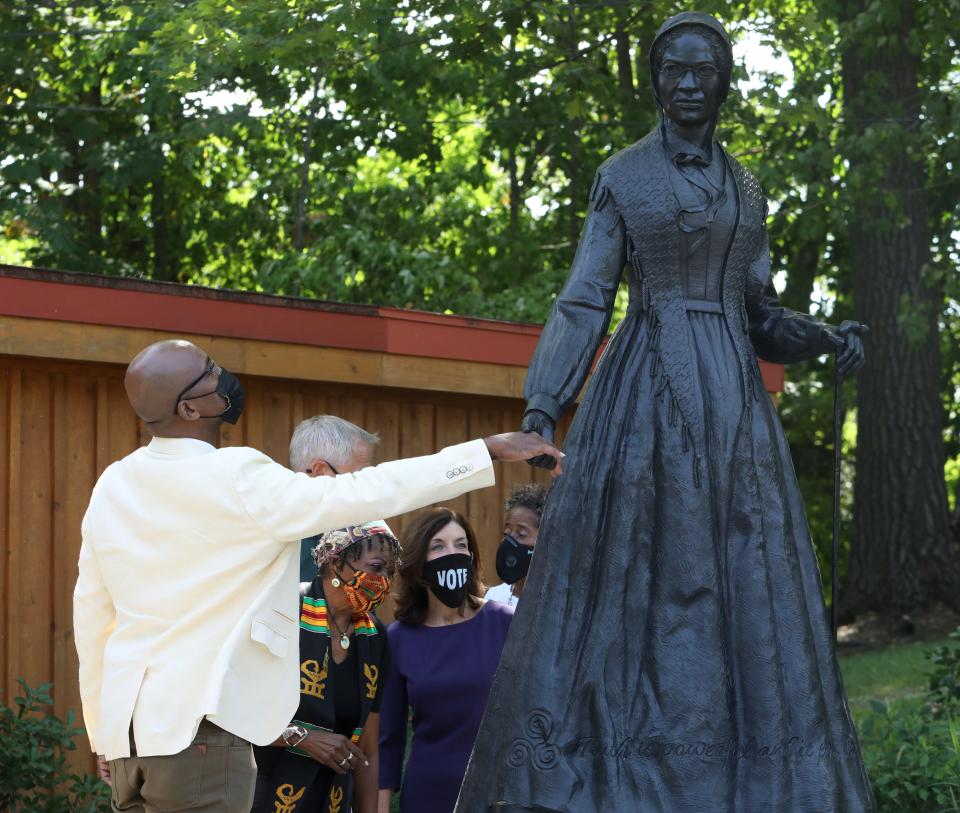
x=295 y=771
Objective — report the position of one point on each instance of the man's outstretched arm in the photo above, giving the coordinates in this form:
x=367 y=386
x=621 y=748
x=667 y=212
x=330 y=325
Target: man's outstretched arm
x=288 y=505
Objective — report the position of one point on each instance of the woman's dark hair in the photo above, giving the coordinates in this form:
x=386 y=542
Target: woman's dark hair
x=527 y=495
x=718 y=48
x=411 y=588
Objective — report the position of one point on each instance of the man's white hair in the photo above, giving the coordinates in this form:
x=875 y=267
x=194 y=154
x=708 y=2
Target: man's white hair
x=327 y=437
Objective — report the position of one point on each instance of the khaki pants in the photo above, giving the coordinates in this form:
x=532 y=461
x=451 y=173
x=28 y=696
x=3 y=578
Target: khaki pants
x=216 y=773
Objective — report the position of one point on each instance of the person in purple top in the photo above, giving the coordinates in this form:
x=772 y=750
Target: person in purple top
x=445 y=646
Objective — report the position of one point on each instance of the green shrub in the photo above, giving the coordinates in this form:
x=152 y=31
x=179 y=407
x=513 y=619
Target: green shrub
x=34 y=777
x=945 y=677
x=912 y=747
x=912 y=758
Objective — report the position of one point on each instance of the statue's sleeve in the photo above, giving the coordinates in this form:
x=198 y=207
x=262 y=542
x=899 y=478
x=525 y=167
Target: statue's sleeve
x=779 y=334
x=581 y=314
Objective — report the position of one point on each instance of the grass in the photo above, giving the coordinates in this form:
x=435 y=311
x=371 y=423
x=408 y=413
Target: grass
x=891 y=674
x=910 y=756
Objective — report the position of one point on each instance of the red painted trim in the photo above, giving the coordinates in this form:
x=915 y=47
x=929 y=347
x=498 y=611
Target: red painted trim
x=386 y=330
x=89 y=299
x=773 y=376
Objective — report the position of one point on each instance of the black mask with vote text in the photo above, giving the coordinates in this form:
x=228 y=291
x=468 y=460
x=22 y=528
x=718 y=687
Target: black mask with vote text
x=448 y=576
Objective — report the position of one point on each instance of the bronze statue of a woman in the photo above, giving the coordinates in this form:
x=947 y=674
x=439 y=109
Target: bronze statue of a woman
x=672 y=652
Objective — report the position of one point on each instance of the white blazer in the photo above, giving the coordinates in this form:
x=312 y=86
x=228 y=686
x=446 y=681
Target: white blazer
x=187 y=601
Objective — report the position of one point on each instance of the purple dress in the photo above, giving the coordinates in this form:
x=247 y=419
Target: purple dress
x=444 y=674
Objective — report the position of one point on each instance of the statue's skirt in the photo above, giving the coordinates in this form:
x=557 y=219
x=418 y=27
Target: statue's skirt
x=672 y=652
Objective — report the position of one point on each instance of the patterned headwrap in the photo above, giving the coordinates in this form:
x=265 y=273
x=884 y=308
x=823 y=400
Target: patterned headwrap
x=335 y=543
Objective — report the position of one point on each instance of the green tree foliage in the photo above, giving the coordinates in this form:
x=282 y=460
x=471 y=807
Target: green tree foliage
x=430 y=154
x=435 y=153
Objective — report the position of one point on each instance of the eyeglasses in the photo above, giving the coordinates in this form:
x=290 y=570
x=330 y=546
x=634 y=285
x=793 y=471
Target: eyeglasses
x=674 y=70
x=211 y=367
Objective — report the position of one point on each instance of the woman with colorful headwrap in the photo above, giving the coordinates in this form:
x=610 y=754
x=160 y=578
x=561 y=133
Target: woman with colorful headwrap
x=327 y=759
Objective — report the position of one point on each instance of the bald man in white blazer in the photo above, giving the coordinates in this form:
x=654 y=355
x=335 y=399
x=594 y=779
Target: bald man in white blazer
x=185 y=610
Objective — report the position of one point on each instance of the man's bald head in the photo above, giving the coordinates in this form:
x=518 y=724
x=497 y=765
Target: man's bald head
x=158 y=374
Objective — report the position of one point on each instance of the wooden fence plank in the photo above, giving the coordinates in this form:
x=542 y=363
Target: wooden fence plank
x=74 y=477
x=315 y=402
x=31 y=590
x=275 y=421
x=102 y=432
x=6 y=540
x=384 y=419
x=484 y=508
x=251 y=424
x=352 y=408
x=123 y=429
x=296 y=407
x=417 y=438
x=64 y=573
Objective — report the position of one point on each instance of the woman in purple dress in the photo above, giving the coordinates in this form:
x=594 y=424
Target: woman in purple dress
x=445 y=646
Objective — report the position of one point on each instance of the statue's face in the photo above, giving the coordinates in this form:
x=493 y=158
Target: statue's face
x=689 y=83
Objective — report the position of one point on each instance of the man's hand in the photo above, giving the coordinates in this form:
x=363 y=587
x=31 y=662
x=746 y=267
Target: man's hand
x=333 y=750
x=103 y=769
x=543 y=425
x=517 y=446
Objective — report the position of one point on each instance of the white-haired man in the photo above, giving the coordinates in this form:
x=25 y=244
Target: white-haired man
x=325 y=446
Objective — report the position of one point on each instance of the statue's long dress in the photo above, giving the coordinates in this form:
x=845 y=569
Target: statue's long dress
x=672 y=652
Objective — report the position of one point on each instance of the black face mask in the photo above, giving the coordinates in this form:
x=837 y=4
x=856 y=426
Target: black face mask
x=448 y=576
x=228 y=388
x=513 y=560
x=232 y=391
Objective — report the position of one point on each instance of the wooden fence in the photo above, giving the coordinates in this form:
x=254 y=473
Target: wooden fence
x=62 y=424
x=421 y=381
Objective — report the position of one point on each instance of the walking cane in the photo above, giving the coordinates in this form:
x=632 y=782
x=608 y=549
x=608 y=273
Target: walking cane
x=838 y=416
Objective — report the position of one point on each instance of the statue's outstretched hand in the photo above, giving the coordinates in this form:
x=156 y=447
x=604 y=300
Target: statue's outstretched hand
x=517 y=446
x=543 y=425
x=848 y=341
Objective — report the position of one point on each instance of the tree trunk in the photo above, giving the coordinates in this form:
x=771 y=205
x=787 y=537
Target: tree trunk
x=514 y=195
x=163 y=268
x=628 y=91
x=88 y=198
x=573 y=139
x=515 y=190
x=902 y=553
x=303 y=188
